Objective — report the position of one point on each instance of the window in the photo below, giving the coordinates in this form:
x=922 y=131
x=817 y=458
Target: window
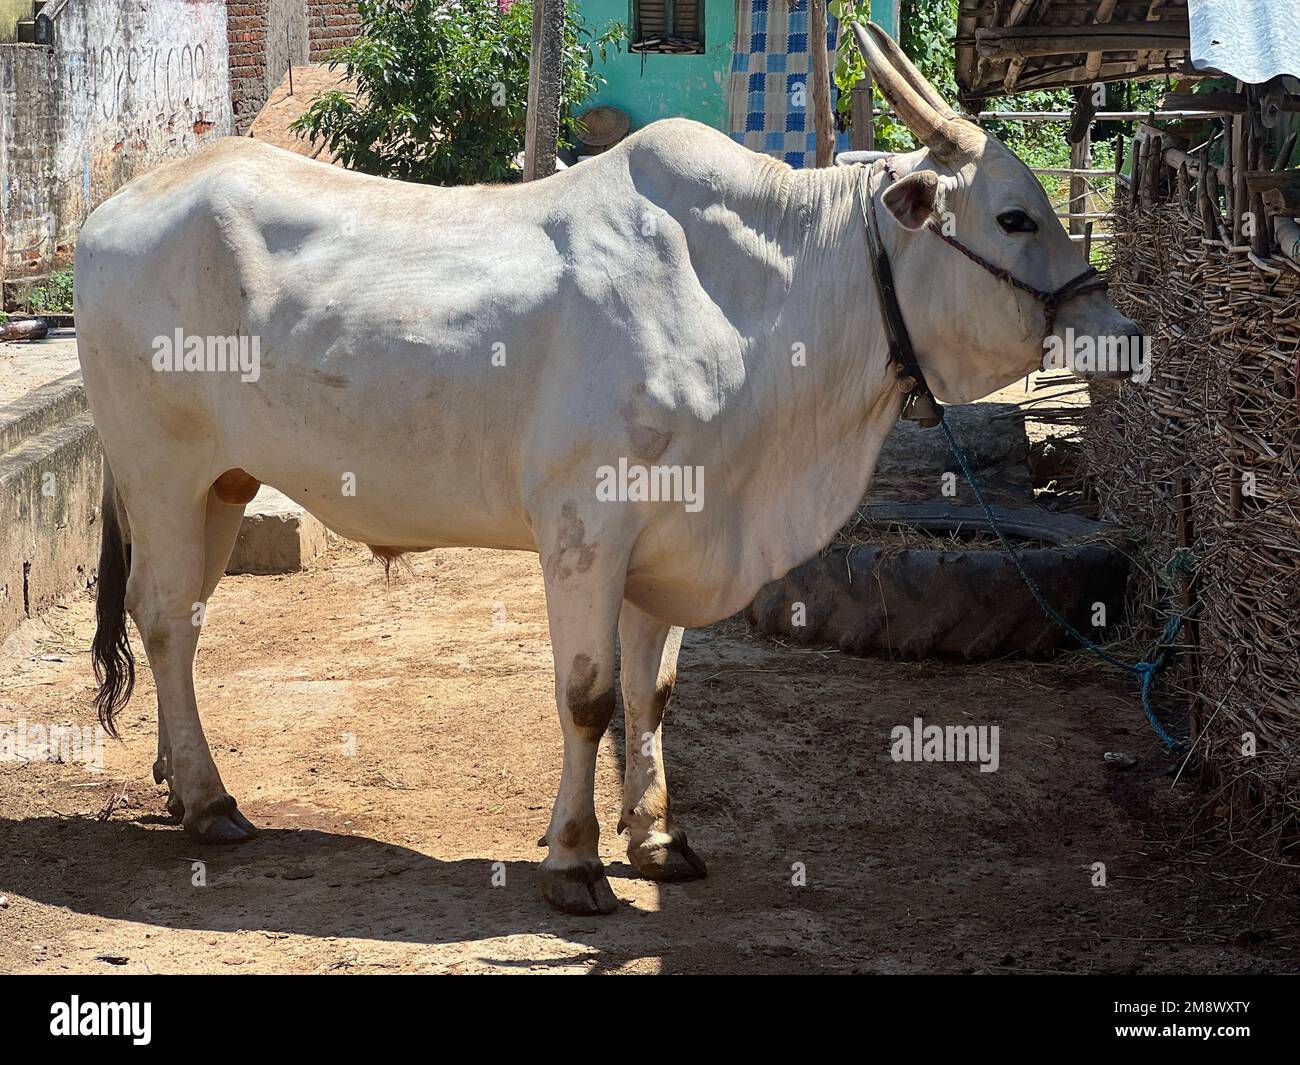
x=673 y=26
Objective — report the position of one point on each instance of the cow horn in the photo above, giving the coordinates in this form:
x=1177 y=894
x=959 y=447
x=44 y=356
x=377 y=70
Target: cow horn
x=904 y=65
x=918 y=103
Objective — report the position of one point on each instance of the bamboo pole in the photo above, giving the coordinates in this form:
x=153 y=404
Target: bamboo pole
x=1092 y=66
x=1135 y=171
x=1070 y=171
x=1204 y=210
x=1153 y=15
x=1080 y=159
x=1231 y=103
x=1240 y=194
x=1100 y=116
x=1019 y=12
x=1261 y=238
x=1028 y=41
x=1065 y=116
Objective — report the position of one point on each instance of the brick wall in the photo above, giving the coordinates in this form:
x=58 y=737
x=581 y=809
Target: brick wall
x=246 y=38
x=330 y=23
x=265 y=35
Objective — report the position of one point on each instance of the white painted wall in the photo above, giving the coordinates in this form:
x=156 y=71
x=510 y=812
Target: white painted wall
x=127 y=84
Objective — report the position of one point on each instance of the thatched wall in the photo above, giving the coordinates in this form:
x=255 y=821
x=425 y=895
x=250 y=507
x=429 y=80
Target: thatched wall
x=1207 y=456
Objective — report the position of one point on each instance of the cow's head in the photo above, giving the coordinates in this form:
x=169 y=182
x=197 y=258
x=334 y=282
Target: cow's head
x=974 y=331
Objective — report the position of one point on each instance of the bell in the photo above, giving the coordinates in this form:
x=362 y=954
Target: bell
x=922 y=409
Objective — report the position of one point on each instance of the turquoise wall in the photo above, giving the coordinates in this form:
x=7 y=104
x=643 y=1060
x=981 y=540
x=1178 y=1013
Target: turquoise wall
x=884 y=13
x=650 y=87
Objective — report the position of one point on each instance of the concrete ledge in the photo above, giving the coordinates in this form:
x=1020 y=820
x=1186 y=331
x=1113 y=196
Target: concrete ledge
x=50 y=485
x=277 y=536
x=39 y=409
x=49 y=517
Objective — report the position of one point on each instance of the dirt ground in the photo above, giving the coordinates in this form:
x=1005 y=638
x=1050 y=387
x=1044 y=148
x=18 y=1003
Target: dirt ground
x=28 y=365
x=395 y=740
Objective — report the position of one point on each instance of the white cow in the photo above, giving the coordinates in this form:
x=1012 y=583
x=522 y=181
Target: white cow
x=470 y=366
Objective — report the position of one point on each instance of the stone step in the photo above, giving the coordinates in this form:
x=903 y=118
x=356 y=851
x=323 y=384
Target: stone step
x=49 y=517
x=277 y=536
x=40 y=409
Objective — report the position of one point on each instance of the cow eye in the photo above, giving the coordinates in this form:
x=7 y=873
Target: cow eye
x=1017 y=222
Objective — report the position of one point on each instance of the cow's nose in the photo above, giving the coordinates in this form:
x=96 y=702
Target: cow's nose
x=1122 y=361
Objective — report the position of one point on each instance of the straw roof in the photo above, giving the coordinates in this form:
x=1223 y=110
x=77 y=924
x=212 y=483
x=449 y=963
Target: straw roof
x=1008 y=46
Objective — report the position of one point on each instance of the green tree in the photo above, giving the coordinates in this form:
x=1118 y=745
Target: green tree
x=439 y=89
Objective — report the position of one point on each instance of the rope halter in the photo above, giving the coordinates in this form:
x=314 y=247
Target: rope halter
x=920 y=405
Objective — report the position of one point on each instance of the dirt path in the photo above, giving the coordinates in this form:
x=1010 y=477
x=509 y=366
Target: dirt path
x=395 y=741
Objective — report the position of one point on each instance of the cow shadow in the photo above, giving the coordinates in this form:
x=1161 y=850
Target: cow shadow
x=332 y=882
x=324 y=883
x=307 y=882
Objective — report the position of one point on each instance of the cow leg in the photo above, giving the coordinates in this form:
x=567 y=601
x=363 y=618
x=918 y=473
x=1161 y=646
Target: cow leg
x=584 y=572
x=656 y=847
x=169 y=547
x=221 y=529
x=162 y=771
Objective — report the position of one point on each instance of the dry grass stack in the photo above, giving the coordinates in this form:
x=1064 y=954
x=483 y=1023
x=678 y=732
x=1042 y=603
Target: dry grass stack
x=1204 y=462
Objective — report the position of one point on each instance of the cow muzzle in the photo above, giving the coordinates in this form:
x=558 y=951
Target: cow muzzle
x=1120 y=352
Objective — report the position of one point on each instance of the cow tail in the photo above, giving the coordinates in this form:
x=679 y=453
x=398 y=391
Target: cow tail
x=111 y=648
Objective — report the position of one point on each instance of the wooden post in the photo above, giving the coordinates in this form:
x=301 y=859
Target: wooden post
x=1228 y=180
x=863 y=135
x=1212 y=183
x=1203 y=206
x=1080 y=159
x=1080 y=138
x=542 y=129
x=1135 y=169
x=1261 y=238
x=1240 y=194
x=1153 y=162
x=823 y=120
x=1144 y=161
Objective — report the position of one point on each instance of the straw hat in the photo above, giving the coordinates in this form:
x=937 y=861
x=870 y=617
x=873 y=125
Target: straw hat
x=602 y=126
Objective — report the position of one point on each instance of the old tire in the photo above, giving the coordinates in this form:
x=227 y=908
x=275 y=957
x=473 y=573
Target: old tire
x=969 y=604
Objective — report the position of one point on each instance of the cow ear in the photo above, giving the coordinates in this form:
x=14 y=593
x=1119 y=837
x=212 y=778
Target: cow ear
x=915 y=199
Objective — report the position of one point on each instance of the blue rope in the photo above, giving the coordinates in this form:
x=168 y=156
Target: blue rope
x=1147 y=669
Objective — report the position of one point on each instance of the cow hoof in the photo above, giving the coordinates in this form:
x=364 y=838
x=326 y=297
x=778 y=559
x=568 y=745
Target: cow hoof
x=220 y=822
x=175 y=808
x=581 y=890
x=667 y=861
